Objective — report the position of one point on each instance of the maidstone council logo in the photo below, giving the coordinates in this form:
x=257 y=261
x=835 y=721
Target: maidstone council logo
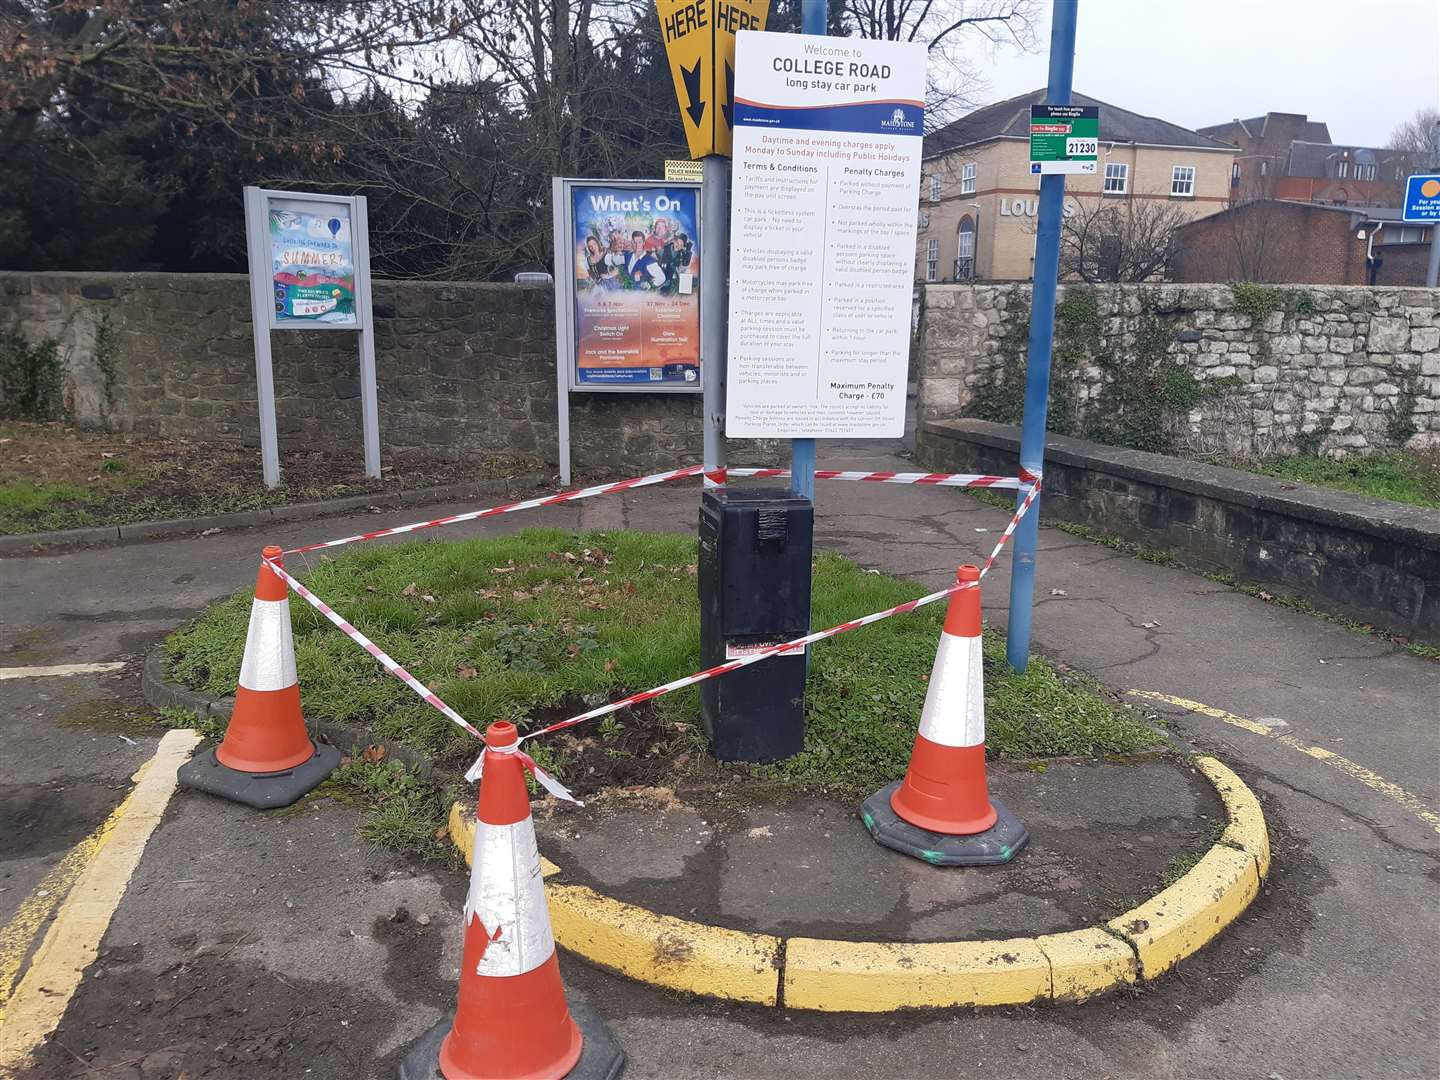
x=897 y=120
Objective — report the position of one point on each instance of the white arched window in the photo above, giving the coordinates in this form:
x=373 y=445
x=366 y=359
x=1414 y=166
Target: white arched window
x=965 y=249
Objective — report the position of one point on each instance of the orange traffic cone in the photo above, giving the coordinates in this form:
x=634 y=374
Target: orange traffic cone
x=512 y=1020
x=942 y=811
x=266 y=758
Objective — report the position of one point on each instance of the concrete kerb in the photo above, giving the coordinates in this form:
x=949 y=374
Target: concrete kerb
x=869 y=976
x=40 y=543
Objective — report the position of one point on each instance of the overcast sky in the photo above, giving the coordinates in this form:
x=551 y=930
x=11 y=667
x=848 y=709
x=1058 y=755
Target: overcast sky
x=1360 y=67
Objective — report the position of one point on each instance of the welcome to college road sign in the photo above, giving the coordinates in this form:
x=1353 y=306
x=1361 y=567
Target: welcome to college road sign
x=828 y=135
x=1064 y=138
x=1422 y=199
x=700 y=45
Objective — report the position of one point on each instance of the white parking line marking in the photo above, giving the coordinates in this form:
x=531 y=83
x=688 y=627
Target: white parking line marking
x=59 y=669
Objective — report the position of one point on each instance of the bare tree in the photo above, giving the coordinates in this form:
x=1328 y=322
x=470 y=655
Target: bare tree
x=553 y=88
x=949 y=28
x=238 y=64
x=1120 y=240
x=1416 y=135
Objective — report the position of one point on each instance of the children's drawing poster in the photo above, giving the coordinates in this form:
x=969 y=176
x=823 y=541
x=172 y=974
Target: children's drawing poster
x=312 y=262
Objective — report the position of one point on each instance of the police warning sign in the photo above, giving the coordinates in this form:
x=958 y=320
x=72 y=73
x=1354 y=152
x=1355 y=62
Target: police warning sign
x=700 y=45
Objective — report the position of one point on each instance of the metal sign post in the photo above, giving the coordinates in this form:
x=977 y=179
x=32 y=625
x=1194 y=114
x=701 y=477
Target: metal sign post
x=309 y=262
x=802 y=451
x=714 y=305
x=700 y=47
x=1042 y=335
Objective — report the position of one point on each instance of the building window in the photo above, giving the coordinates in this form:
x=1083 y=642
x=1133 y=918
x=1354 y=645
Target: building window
x=934 y=187
x=1117 y=178
x=1234 y=172
x=965 y=240
x=967 y=179
x=1402 y=234
x=1342 y=170
x=1399 y=172
x=1364 y=172
x=1264 y=168
x=932 y=259
x=1182 y=181
x=965 y=250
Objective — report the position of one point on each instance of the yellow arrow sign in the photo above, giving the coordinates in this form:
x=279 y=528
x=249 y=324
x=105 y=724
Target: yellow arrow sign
x=700 y=44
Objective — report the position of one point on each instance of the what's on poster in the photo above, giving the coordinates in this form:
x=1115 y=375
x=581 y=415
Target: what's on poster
x=312 y=262
x=637 y=285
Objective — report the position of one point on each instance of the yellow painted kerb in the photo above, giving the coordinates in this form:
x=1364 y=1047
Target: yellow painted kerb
x=870 y=976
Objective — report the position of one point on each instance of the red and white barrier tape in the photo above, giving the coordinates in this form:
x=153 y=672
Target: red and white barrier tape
x=509 y=508
x=545 y=779
x=386 y=660
x=548 y=782
x=715 y=476
x=799 y=643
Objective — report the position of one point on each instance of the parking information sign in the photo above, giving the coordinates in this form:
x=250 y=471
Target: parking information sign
x=1064 y=138
x=1422 y=199
x=828 y=135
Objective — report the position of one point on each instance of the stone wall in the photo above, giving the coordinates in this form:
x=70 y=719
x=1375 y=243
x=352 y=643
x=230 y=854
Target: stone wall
x=1329 y=366
x=462 y=369
x=1368 y=559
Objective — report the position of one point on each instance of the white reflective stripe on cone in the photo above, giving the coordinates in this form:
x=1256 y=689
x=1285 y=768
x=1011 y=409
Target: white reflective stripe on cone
x=269 y=662
x=954 y=713
x=507 y=895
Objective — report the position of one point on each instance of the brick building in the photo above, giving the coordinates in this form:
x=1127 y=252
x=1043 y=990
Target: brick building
x=979 y=200
x=1289 y=156
x=1302 y=243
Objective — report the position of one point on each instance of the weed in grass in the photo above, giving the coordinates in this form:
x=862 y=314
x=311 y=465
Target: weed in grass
x=1179 y=866
x=179 y=719
x=401 y=810
x=1422 y=649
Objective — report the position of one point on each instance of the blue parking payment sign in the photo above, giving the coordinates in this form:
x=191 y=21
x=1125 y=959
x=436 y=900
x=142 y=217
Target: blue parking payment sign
x=1422 y=199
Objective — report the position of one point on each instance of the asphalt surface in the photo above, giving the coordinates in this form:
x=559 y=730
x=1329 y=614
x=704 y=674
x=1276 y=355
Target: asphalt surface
x=256 y=946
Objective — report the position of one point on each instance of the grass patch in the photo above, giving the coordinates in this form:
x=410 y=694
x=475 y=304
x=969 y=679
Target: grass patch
x=533 y=626
x=401 y=810
x=45 y=504
x=180 y=719
x=1399 y=476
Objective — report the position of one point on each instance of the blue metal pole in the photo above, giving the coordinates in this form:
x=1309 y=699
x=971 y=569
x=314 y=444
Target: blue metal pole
x=812 y=17
x=1042 y=336
x=802 y=451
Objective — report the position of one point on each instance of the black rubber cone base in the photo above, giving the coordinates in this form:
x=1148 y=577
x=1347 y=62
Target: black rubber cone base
x=600 y=1057
x=264 y=791
x=996 y=845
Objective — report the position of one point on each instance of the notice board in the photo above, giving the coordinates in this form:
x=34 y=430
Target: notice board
x=627 y=279
x=828 y=138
